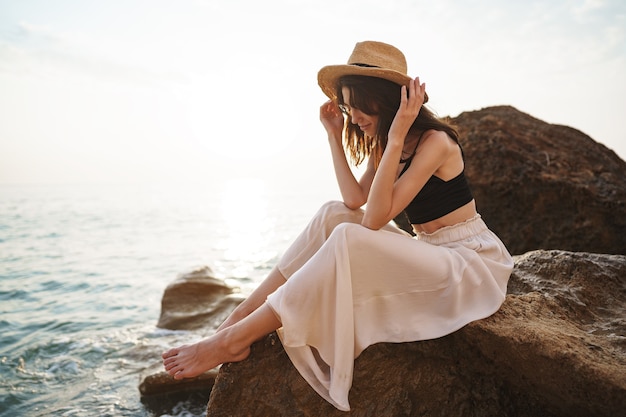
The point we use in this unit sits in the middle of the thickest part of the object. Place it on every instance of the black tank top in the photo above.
(438, 197)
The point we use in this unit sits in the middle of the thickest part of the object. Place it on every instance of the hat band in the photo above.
(365, 65)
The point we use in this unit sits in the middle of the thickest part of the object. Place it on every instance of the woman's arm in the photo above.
(354, 193)
(388, 197)
(387, 201)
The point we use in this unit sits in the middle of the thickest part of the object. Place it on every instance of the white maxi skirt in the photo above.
(349, 287)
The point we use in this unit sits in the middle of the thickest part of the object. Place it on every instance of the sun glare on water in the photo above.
(246, 226)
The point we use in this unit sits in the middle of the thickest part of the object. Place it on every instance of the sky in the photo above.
(198, 90)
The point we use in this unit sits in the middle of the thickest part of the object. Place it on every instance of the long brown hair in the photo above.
(381, 97)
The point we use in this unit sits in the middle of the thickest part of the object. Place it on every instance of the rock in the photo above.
(193, 301)
(161, 394)
(160, 383)
(556, 348)
(544, 186)
(197, 300)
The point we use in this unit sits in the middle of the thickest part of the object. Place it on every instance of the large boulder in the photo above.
(556, 348)
(197, 300)
(544, 186)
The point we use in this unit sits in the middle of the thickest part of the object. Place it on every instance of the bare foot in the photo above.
(188, 361)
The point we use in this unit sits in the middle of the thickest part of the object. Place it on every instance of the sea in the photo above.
(83, 269)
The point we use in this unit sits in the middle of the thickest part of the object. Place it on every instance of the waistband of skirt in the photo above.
(459, 231)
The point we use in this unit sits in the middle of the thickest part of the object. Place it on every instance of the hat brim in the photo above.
(328, 77)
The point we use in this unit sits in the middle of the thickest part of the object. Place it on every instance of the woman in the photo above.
(352, 278)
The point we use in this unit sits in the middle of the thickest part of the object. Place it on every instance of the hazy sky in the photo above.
(155, 90)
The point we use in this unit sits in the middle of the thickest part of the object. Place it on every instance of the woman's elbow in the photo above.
(353, 203)
(372, 224)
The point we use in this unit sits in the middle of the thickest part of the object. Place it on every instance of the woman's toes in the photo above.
(169, 360)
(170, 353)
(173, 369)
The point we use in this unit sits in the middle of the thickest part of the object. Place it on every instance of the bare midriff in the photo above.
(459, 215)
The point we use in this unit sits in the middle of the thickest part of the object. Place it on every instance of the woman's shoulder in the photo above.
(437, 138)
(443, 151)
(433, 146)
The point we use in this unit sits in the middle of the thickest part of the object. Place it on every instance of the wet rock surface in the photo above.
(162, 395)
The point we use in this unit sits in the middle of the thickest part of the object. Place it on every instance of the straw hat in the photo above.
(369, 58)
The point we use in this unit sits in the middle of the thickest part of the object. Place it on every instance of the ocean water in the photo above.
(83, 269)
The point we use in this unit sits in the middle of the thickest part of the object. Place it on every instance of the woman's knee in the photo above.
(335, 212)
(333, 206)
(351, 233)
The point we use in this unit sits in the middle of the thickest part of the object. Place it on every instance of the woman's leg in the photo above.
(271, 283)
(229, 345)
(304, 246)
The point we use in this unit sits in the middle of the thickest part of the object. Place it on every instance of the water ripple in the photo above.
(82, 271)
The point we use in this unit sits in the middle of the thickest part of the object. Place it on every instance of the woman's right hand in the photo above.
(332, 119)
(352, 192)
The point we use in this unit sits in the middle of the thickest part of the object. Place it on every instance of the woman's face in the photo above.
(368, 123)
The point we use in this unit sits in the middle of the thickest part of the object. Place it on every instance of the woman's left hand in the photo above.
(411, 100)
